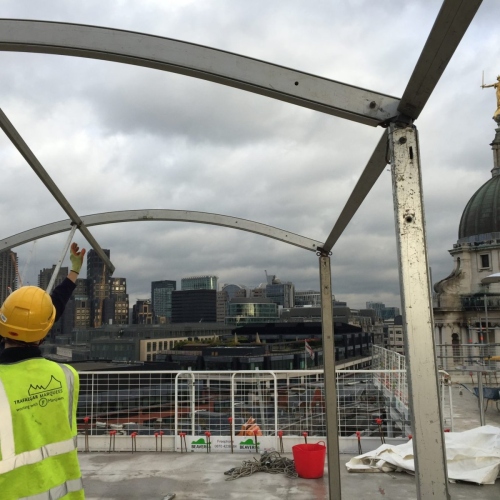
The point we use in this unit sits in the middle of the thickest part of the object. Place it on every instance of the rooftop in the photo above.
(151, 475)
(198, 476)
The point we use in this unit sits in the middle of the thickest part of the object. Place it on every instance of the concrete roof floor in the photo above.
(200, 476)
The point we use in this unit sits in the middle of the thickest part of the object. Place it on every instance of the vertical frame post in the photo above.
(428, 438)
(332, 422)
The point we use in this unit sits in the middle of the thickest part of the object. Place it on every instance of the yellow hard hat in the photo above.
(27, 314)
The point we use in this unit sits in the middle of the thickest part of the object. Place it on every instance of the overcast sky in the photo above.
(118, 137)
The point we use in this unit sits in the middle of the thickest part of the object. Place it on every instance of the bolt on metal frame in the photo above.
(345, 101)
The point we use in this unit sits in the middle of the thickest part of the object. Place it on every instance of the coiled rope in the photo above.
(272, 463)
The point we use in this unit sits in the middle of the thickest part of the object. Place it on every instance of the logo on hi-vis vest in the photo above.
(51, 386)
(41, 394)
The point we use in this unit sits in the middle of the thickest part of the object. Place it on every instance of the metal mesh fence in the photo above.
(468, 356)
(242, 403)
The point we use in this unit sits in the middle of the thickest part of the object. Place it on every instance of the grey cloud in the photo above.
(116, 137)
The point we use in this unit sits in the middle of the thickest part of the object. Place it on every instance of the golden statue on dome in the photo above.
(496, 115)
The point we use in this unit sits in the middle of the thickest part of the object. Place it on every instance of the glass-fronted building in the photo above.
(281, 293)
(233, 291)
(307, 298)
(191, 306)
(251, 310)
(161, 299)
(199, 283)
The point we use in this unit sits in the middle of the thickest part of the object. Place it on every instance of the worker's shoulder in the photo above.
(71, 368)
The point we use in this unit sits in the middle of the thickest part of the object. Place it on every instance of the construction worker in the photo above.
(38, 398)
(250, 428)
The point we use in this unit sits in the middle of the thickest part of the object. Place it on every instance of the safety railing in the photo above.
(290, 401)
(484, 357)
(390, 369)
(239, 408)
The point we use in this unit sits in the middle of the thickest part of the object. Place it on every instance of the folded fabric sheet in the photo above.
(472, 456)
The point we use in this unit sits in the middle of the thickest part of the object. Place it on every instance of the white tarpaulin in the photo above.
(472, 456)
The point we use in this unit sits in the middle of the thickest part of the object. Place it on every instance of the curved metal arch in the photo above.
(162, 215)
(166, 54)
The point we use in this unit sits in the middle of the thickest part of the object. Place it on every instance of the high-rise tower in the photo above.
(8, 275)
(161, 299)
(98, 276)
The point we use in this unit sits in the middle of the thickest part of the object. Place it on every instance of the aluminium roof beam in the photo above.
(450, 26)
(166, 54)
(162, 215)
(28, 155)
(451, 23)
(371, 173)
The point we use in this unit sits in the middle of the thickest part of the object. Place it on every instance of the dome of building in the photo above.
(482, 213)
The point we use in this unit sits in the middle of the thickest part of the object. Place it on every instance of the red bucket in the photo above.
(309, 459)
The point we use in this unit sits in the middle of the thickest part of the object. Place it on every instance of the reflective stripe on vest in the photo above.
(34, 456)
(7, 446)
(58, 491)
(10, 460)
(70, 383)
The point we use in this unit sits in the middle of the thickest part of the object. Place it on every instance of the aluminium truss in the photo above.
(398, 143)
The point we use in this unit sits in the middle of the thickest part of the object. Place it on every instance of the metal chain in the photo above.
(272, 463)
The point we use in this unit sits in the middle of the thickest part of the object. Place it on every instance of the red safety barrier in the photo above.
(112, 435)
(134, 442)
(231, 431)
(280, 435)
(256, 432)
(358, 435)
(183, 441)
(207, 434)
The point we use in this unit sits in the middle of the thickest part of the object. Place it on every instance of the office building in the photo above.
(115, 307)
(99, 289)
(394, 335)
(65, 323)
(310, 298)
(81, 303)
(8, 273)
(190, 306)
(383, 312)
(259, 291)
(221, 307)
(161, 300)
(233, 291)
(199, 283)
(142, 312)
(280, 293)
(45, 275)
(246, 310)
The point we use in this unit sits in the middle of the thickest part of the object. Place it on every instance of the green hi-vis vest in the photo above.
(38, 452)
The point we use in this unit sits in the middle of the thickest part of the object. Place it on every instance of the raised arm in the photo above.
(76, 257)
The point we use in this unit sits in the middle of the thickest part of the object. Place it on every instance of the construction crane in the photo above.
(21, 275)
(14, 262)
(27, 263)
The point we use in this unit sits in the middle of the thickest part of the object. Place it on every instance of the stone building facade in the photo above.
(465, 310)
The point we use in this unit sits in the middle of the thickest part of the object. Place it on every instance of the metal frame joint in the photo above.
(400, 120)
(321, 252)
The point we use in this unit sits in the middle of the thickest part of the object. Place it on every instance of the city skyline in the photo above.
(116, 137)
